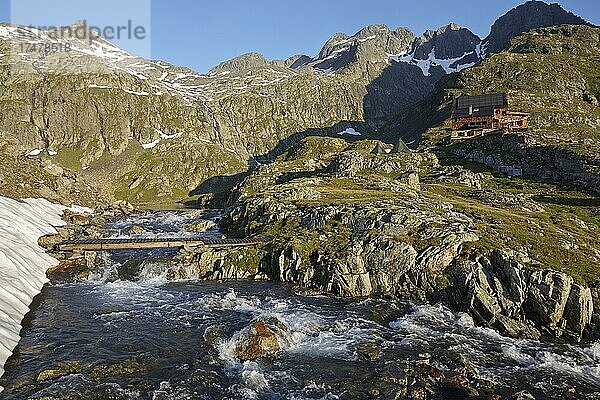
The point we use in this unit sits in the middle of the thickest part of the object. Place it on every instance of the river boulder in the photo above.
(261, 339)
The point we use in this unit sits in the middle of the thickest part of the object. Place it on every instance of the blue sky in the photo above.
(200, 34)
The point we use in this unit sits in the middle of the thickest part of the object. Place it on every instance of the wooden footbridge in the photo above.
(155, 243)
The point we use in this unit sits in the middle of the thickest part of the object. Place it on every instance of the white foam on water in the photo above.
(166, 391)
(308, 334)
(593, 351)
(492, 354)
(311, 390)
(255, 380)
(516, 354)
(164, 223)
(78, 383)
(231, 301)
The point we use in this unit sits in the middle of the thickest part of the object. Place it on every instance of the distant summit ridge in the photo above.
(527, 16)
(449, 41)
(241, 63)
(450, 47)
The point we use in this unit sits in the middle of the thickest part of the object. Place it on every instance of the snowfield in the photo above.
(433, 61)
(23, 263)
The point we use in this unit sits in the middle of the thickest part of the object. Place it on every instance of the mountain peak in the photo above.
(331, 43)
(373, 29)
(449, 41)
(372, 43)
(79, 23)
(453, 26)
(241, 63)
(529, 15)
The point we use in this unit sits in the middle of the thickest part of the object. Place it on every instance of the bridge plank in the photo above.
(151, 243)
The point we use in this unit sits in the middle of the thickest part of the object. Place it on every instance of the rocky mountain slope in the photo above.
(151, 132)
(32, 177)
(551, 73)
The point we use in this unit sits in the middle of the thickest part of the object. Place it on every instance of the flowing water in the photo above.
(152, 339)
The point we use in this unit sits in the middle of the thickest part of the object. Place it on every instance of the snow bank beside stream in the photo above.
(23, 263)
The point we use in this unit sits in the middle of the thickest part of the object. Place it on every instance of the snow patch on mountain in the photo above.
(326, 71)
(34, 152)
(94, 45)
(449, 65)
(141, 93)
(151, 145)
(23, 263)
(350, 131)
(161, 136)
(94, 86)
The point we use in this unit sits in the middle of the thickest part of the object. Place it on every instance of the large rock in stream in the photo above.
(261, 339)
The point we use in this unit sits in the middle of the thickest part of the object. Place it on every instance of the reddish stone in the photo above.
(260, 341)
(261, 328)
(430, 371)
(458, 381)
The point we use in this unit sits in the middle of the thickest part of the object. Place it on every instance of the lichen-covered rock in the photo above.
(201, 226)
(356, 159)
(133, 230)
(410, 179)
(459, 174)
(547, 297)
(66, 368)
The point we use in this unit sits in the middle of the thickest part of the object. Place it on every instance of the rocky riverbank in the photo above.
(361, 221)
(355, 223)
(76, 265)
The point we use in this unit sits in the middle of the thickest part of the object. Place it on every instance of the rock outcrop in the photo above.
(240, 64)
(502, 293)
(370, 45)
(535, 159)
(345, 220)
(448, 42)
(498, 290)
(335, 230)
